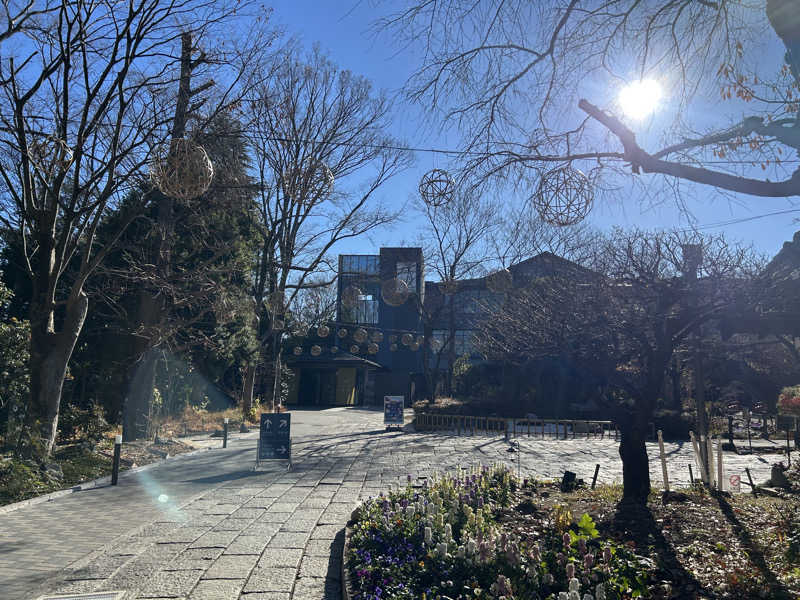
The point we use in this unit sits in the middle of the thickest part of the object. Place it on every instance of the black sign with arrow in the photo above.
(274, 438)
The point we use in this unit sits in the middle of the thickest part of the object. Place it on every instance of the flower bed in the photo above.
(452, 539)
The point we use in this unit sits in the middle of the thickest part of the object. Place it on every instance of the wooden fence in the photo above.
(533, 428)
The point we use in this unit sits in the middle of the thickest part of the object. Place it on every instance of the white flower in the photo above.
(574, 596)
(574, 585)
(428, 536)
(588, 597)
(563, 596)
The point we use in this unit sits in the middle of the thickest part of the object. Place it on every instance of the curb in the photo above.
(92, 484)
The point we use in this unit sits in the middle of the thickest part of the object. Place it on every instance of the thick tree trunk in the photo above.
(50, 355)
(247, 389)
(635, 466)
(136, 415)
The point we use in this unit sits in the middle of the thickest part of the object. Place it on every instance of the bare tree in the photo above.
(83, 103)
(622, 323)
(513, 78)
(321, 154)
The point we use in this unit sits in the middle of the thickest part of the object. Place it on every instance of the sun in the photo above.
(640, 98)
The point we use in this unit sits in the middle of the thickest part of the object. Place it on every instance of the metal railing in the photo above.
(533, 428)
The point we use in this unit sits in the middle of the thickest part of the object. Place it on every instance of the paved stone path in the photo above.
(228, 532)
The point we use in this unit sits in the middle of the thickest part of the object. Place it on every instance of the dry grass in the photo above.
(194, 420)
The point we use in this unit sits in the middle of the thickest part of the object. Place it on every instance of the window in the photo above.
(463, 341)
(364, 264)
(407, 271)
(477, 301)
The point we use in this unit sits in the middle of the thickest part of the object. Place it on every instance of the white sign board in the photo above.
(736, 483)
(393, 410)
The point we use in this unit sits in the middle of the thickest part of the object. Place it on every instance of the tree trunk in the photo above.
(50, 354)
(247, 390)
(633, 452)
(136, 414)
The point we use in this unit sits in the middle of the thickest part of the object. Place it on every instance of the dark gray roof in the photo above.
(331, 361)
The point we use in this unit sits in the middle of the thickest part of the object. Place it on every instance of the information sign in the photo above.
(736, 483)
(393, 410)
(274, 439)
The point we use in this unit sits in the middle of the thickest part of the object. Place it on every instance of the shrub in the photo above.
(789, 400)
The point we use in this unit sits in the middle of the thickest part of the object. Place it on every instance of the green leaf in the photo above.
(587, 527)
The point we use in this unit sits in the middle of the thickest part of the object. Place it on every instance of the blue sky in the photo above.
(343, 30)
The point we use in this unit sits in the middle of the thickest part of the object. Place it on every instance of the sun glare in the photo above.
(640, 98)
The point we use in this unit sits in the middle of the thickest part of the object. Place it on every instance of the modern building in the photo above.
(374, 348)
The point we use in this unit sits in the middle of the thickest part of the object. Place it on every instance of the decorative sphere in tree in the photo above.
(342, 333)
(354, 349)
(298, 350)
(414, 346)
(564, 197)
(394, 291)
(181, 169)
(437, 188)
(323, 331)
(360, 335)
(373, 348)
(316, 350)
(350, 296)
(500, 281)
(334, 349)
(377, 337)
(407, 339)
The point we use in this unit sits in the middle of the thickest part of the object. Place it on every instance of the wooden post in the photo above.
(663, 461)
(691, 475)
(720, 471)
(115, 464)
(710, 464)
(788, 449)
(596, 471)
(750, 479)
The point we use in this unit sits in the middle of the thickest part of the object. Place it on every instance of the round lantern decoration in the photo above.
(316, 350)
(414, 346)
(323, 331)
(437, 188)
(360, 335)
(354, 349)
(181, 169)
(373, 348)
(499, 281)
(301, 330)
(393, 347)
(407, 339)
(342, 333)
(350, 296)
(334, 349)
(377, 337)
(394, 291)
(436, 345)
(564, 197)
(420, 340)
(298, 350)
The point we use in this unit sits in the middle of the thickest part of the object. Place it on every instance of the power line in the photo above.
(740, 220)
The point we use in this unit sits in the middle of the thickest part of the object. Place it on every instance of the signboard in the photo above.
(393, 410)
(736, 483)
(274, 439)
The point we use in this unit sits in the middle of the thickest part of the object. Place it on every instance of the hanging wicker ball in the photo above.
(316, 350)
(301, 330)
(323, 331)
(350, 296)
(373, 348)
(436, 345)
(499, 281)
(342, 333)
(360, 335)
(414, 347)
(181, 169)
(394, 291)
(334, 349)
(354, 349)
(420, 339)
(407, 339)
(437, 187)
(298, 350)
(564, 197)
(377, 336)
(393, 348)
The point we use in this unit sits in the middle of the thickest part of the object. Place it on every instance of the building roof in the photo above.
(331, 361)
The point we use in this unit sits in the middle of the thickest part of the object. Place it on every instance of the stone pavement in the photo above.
(272, 534)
